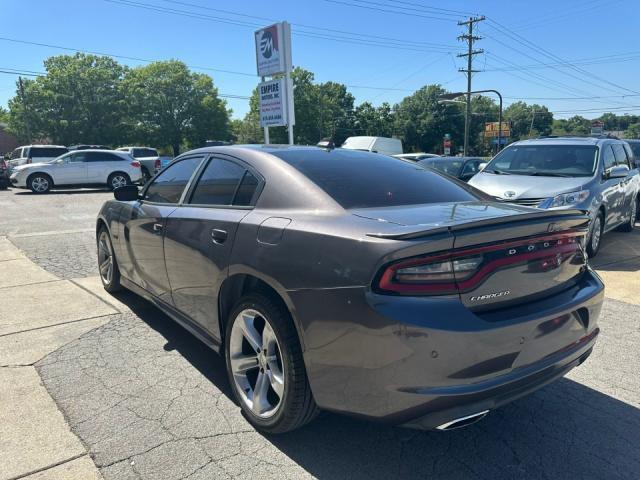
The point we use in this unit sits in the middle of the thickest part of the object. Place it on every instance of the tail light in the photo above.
(463, 270)
(29, 160)
(135, 164)
(157, 164)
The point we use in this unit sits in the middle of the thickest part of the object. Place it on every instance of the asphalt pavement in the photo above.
(148, 401)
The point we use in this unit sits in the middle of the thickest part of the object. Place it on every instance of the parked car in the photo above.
(635, 149)
(35, 154)
(355, 282)
(4, 174)
(591, 173)
(148, 158)
(462, 168)
(384, 145)
(417, 156)
(79, 168)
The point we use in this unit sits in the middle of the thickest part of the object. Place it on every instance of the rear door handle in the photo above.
(218, 236)
(157, 228)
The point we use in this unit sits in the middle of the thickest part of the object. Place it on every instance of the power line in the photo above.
(310, 27)
(387, 10)
(317, 35)
(527, 43)
(31, 73)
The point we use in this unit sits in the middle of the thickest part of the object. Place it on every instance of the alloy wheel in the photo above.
(40, 184)
(118, 181)
(256, 363)
(105, 258)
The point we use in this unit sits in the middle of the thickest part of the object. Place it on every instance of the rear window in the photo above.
(52, 152)
(144, 152)
(546, 160)
(361, 180)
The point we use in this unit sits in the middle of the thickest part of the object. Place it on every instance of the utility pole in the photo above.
(469, 38)
(25, 108)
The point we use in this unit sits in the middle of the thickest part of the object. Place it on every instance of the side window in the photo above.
(621, 155)
(470, 167)
(608, 160)
(169, 185)
(246, 190)
(218, 183)
(77, 158)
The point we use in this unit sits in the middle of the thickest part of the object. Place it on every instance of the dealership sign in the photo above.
(272, 103)
(492, 129)
(273, 49)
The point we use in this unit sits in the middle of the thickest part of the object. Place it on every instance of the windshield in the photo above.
(450, 167)
(546, 160)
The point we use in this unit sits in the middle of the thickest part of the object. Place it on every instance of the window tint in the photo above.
(17, 153)
(144, 152)
(621, 155)
(169, 185)
(635, 147)
(360, 179)
(218, 183)
(470, 167)
(246, 190)
(104, 157)
(608, 160)
(52, 152)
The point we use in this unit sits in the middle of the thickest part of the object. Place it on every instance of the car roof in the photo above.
(41, 146)
(567, 140)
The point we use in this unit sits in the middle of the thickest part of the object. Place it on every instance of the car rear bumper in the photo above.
(424, 361)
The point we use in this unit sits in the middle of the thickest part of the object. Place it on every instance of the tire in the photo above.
(630, 224)
(107, 263)
(118, 179)
(146, 176)
(267, 321)
(595, 237)
(39, 183)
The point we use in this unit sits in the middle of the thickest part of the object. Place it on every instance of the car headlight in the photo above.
(568, 199)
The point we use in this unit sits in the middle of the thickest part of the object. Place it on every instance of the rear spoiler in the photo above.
(419, 231)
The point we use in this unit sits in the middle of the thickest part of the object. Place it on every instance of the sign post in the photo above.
(273, 59)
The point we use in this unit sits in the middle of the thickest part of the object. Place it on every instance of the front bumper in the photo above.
(424, 361)
(17, 180)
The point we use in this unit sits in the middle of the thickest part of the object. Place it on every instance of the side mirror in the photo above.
(482, 166)
(619, 171)
(127, 193)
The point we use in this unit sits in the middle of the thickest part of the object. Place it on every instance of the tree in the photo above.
(375, 121)
(575, 125)
(633, 131)
(169, 105)
(78, 100)
(528, 120)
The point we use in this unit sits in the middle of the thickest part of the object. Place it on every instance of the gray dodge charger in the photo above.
(355, 282)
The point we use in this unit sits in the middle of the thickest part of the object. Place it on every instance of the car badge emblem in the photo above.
(509, 194)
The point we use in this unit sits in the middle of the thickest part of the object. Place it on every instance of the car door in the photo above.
(99, 166)
(70, 169)
(199, 236)
(627, 187)
(143, 229)
(612, 191)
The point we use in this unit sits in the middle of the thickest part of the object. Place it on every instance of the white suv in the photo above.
(81, 167)
(35, 154)
(148, 158)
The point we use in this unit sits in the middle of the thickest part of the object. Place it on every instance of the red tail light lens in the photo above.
(157, 164)
(463, 270)
(135, 164)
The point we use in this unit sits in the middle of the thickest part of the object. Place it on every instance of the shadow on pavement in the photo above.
(63, 191)
(566, 430)
(620, 251)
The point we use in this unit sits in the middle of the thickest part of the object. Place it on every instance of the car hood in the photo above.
(525, 186)
(30, 165)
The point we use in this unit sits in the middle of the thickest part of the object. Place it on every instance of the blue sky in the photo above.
(572, 50)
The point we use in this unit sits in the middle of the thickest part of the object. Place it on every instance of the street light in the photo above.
(451, 96)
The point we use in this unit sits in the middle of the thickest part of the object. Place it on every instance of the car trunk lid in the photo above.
(501, 255)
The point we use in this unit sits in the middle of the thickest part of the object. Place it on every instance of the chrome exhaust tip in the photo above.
(463, 421)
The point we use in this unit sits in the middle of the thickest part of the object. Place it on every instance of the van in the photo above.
(35, 154)
(384, 145)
